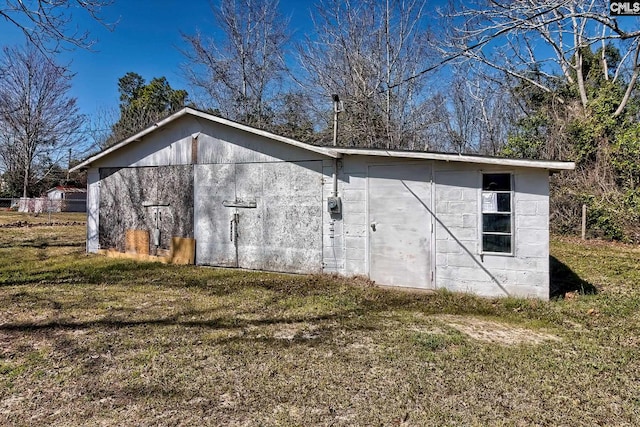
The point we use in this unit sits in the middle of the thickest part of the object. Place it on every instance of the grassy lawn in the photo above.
(13, 218)
(89, 340)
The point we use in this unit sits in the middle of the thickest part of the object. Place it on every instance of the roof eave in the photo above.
(497, 161)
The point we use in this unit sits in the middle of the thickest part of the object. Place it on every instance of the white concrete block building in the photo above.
(252, 199)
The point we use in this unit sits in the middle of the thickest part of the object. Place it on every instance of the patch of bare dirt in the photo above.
(495, 332)
(292, 331)
(21, 224)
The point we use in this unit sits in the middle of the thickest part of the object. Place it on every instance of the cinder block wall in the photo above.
(345, 236)
(456, 251)
(459, 263)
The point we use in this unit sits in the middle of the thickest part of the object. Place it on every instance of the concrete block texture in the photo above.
(459, 265)
(531, 222)
(250, 200)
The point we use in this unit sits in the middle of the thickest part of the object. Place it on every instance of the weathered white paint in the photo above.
(93, 210)
(349, 254)
(217, 144)
(283, 232)
(188, 118)
(220, 144)
(425, 204)
(168, 146)
(329, 152)
(400, 224)
(55, 194)
(459, 265)
(333, 242)
(213, 185)
(451, 203)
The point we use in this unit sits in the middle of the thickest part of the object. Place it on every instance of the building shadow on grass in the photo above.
(40, 244)
(563, 280)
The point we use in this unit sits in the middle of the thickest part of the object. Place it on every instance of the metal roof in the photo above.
(465, 158)
(66, 189)
(333, 152)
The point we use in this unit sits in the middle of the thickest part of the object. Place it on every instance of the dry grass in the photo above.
(87, 340)
(19, 218)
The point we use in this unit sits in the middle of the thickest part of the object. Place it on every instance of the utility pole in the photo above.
(68, 165)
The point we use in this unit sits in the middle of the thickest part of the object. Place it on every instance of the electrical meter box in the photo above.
(334, 205)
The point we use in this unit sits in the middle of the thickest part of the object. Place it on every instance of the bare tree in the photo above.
(240, 69)
(37, 118)
(471, 114)
(544, 42)
(460, 119)
(99, 129)
(47, 24)
(496, 115)
(365, 51)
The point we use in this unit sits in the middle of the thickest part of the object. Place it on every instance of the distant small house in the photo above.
(67, 193)
(69, 199)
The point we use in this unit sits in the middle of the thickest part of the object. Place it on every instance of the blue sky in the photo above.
(145, 40)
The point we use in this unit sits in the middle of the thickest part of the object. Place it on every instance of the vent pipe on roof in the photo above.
(338, 107)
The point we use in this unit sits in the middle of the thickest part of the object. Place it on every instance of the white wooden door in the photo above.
(214, 222)
(263, 216)
(399, 199)
(284, 231)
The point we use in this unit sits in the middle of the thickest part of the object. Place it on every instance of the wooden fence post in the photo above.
(584, 222)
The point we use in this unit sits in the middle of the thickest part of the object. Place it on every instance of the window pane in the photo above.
(489, 201)
(496, 223)
(496, 181)
(496, 243)
(504, 202)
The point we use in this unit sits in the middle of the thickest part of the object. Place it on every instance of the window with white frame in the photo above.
(497, 213)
